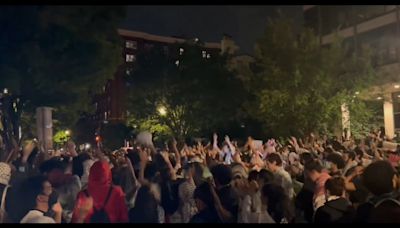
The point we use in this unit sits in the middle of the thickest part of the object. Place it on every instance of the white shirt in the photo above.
(36, 216)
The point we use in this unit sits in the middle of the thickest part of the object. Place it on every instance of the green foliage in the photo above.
(199, 94)
(51, 55)
(60, 138)
(58, 56)
(161, 132)
(364, 116)
(297, 86)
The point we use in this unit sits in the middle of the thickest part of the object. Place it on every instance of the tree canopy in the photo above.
(297, 85)
(196, 90)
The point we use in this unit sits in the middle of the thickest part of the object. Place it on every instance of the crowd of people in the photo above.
(312, 180)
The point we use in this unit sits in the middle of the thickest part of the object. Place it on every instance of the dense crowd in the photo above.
(312, 180)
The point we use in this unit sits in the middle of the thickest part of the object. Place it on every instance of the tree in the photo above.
(56, 56)
(297, 86)
(194, 91)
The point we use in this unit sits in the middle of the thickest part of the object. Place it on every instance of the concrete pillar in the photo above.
(388, 117)
(44, 123)
(345, 121)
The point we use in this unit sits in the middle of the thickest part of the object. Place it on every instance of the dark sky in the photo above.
(244, 23)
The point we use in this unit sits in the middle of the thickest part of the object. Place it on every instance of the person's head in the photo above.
(100, 176)
(145, 210)
(274, 161)
(336, 161)
(151, 172)
(335, 187)
(359, 153)
(77, 164)
(379, 178)
(195, 170)
(305, 157)
(36, 192)
(313, 169)
(274, 196)
(222, 175)
(203, 197)
(5, 173)
(349, 156)
(53, 164)
(253, 175)
(265, 176)
(239, 172)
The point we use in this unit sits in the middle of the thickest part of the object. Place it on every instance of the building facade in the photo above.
(376, 27)
(111, 104)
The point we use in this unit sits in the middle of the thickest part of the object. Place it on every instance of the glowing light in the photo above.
(396, 86)
(356, 93)
(379, 98)
(162, 110)
(67, 132)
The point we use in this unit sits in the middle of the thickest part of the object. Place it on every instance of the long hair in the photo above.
(145, 210)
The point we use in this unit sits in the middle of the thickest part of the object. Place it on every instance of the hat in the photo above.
(239, 170)
(5, 173)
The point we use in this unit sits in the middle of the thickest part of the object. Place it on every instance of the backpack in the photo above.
(3, 213)
(100, 215)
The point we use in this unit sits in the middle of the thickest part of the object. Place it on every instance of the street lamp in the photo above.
(162, 111)
(67, 132)
(5, 91)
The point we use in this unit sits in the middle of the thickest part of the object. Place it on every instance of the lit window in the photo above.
(105, 115)
(181, 50)
(104, 88)
(131, 44)
(208, 56)
(130, 58)
(177, 62)
(204, 54)
(128, 72)
(196, 40)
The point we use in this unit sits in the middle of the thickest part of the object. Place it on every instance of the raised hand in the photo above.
(215, 137)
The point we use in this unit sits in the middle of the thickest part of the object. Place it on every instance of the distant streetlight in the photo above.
(396, 86)
(379, 98)
(67, 132)
(5, 90)
(357, 92)
(162, 111)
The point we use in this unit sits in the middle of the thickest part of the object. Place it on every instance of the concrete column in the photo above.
(345, 121)
(388, 118)
(44, 122)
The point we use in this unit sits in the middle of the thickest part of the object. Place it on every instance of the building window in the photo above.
(105, 115)
(131, 44)
(204, 53)
(208, 56)
(128, 72)
(181, 50)
(130, 58)
(177, 62)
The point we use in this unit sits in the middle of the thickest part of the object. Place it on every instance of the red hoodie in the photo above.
(100, 179)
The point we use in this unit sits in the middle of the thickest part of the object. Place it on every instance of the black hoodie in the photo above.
(335, 211)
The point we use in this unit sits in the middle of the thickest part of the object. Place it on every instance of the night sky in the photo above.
(244, 23)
